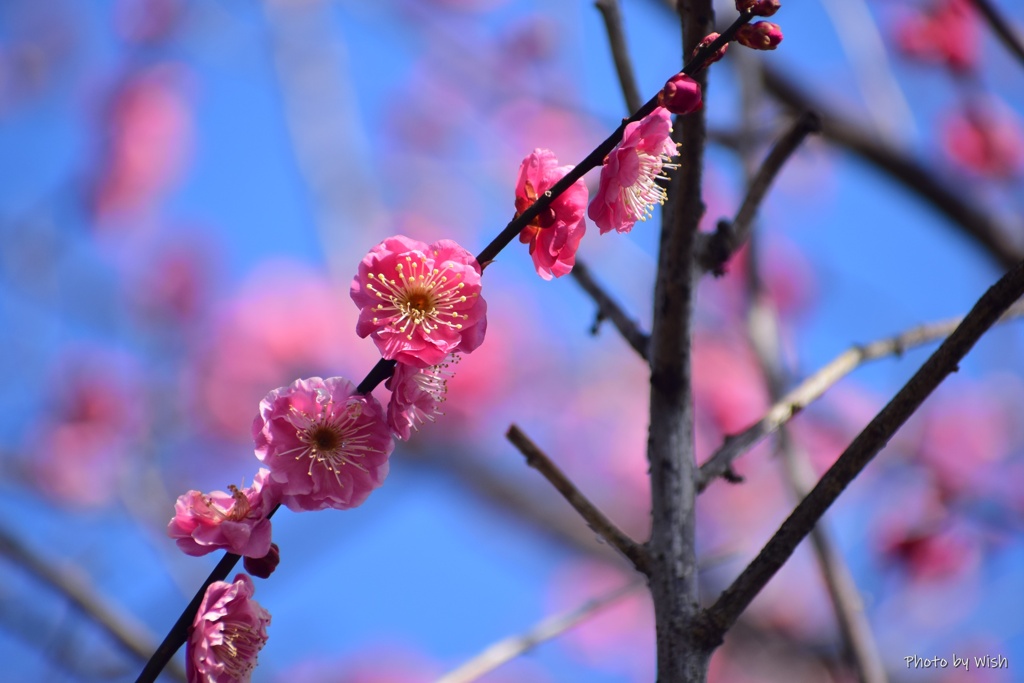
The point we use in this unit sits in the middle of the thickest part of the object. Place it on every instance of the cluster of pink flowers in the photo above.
(326, 444)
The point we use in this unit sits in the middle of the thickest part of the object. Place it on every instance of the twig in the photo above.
(716, 248)
(763, 327)
(994, 235)
(612, 16)
(536, 459)
(716, 620)
(865, 51)
(849, 606)
(814, 386)
(1002, 28)
(608, 308)
(508, 649)
(565, 530)
(130, 634)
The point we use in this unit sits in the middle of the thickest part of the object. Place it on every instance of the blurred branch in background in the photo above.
(818, 383)
(119, 625)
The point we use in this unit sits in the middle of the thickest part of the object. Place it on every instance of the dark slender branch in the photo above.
(509, 648)
(380, 372)
(596, 519)
(716, 248)
(128, 633)
(612, 16)
(718, 618)
(994, 235)
(817, 384)
(1002, 28)
(608, 308)
(178, 634)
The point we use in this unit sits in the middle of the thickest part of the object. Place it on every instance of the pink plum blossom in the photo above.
(420, 302)
(416, 394)
(555, 234)
(235, 521)
(985, 138)
(326, 446)
(948, 33)
(227, 634)
(629, 187)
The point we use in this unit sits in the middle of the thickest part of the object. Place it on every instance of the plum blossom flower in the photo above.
(416, 394)
(227, 634)
(326, 446)
(985, 138)
(555, 234)
(235, 521)
(420, 302)
(629, 187)
(948, 33)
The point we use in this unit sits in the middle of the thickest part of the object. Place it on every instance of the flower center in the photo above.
(641, 196)
(238, 650)
(418, 298)
(332, 438)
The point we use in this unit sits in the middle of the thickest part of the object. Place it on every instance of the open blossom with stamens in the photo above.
(629, 189)
(227, 634)
(555, 234)
(420, 302)
(235, 521)
(416, 395)
(326, 446)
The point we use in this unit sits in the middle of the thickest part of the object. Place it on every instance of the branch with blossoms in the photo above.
(326, 442)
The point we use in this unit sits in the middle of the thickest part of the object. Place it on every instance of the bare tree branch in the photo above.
(993, 234)
(612, 16)
(713, 250)
(508, 649)
(817, 384)
(537, 459)
(609, 309)
(1002, 28)
(120, 626)
(718, 618)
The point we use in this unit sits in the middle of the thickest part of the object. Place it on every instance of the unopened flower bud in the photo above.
(763, 35)
(759, 8)
(681, 94)
(710, 38)
(262, 567)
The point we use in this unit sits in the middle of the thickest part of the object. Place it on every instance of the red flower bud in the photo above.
(681, 94)
(263, 567)
(759, 8)
(711, 37)
(764, 35)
